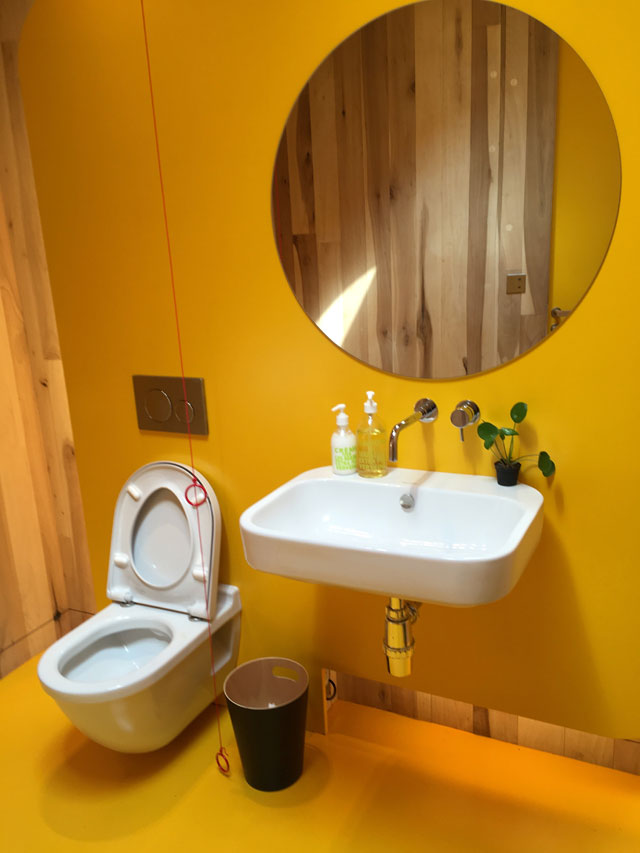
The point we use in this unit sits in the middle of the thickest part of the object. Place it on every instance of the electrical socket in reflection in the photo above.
(516, 283)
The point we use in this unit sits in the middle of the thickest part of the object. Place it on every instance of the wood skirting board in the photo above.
(38, 639)
(616, 753)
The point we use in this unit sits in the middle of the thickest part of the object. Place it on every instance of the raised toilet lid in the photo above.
(165, 543)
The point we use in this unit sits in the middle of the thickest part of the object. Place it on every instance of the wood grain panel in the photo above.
(300, 165)
(329, 278)
(38, 639)
(429, 168)
(423, 149)
(282, 211)
(482, 213)
(376, 124)
(452, 713)
(626, 756)
(619, 754)
(503, 726)
(495, 124)
(363, 691)
(514, 157)
(307, 258)
(24, 563)
(546, 737)
(407, 346)
(389, 697)
(349, 117)
(27, 646)
(593, 749)
(44, 566)
(542, 80)
(322, 105)
(451, 353)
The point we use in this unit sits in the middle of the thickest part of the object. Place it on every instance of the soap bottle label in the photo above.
(371, 458)
(344, 459)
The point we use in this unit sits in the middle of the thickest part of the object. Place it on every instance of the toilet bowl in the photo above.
(135, 674)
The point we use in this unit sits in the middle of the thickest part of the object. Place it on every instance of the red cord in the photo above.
(221, 756)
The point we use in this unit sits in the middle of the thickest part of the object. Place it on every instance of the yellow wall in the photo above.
(563, 646)
(586, 181)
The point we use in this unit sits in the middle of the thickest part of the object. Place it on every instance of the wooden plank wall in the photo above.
(45, 578)
(415, 171)
(617, 753)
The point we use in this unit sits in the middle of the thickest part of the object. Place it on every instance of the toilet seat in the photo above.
(165, 544)
(68, 668)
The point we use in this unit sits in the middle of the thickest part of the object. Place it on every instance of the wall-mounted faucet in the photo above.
(465, 414)
(425, 411)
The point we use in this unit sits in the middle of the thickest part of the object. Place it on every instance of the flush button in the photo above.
(157, 405)
(160, 404)
(184, 412)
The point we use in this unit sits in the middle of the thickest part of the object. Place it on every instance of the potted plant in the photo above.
(507, 465)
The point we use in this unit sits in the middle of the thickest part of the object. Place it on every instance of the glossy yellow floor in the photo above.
(378, 782)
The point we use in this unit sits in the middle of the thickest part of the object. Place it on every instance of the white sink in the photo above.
(466, 540)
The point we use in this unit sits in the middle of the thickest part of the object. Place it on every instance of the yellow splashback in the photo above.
(563, 646)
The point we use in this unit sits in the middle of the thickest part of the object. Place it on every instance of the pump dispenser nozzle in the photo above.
(342, 419)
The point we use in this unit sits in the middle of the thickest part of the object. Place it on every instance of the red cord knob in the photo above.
(222, 760)
(197, 501)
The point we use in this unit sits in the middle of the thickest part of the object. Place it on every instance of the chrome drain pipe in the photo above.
(398, 638)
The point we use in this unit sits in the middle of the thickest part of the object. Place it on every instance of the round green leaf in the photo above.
(488, 431)
(519, 412)
(546, 463)
(488, 443)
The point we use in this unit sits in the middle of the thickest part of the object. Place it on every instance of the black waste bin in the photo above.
(267, 700)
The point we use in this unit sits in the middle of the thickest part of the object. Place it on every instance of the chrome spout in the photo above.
(395, 432)
(425, 411)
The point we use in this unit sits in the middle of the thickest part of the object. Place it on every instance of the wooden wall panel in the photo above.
(495, 119)
(594, 749)
(429, 166)
(405, 302)
(542, 78)
(44, 563)
(514, 155)
(483, 189)
(423, 148)
(378, 180)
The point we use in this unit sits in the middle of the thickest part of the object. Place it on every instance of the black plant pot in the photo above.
(507, 474)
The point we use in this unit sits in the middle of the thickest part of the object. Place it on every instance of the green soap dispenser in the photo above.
(371, 442)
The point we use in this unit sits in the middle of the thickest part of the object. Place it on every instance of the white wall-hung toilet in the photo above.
(135, 674)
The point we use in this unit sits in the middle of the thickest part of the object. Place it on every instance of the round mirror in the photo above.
(446, 188)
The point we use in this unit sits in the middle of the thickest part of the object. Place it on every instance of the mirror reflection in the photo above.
(447, 177)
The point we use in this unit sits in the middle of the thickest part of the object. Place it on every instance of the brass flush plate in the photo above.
(516, 283)
(160, 404)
